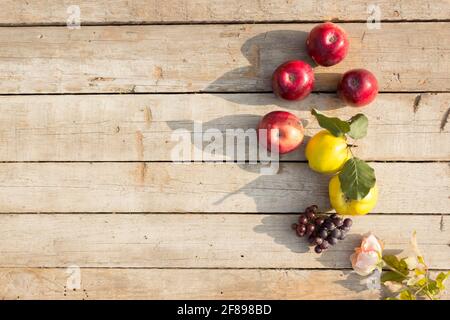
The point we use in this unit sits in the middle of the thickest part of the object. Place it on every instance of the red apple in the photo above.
(293, 80)
(327, 44)
(283, 129)
(358, 87)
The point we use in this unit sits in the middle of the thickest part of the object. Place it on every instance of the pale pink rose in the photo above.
(368, 256)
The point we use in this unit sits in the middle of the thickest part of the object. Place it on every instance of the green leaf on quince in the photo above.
(335, 126)
(392, 276)
(358, 126)
(356, 178)
(396, 264)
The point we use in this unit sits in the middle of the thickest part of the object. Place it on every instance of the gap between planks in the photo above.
(162, 93)
(214, 162)
(106, 213)
(196, 268)
(207, 23)
(234, 11)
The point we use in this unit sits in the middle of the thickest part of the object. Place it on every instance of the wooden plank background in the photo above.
(234, 58)
(195, 11)
(199, 240)
(207, 187)
(88, 117)
(143, 127)
(28, 283)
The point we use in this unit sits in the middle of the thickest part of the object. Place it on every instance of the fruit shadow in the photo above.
(243, 122)
(279, 228)
(356, 283)
(265, 52)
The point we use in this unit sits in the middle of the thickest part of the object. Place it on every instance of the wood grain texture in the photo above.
(28, 283)
(206, 187)
(237, 58)
(144, 127)
(143, 248)
(201, 241)
(171, 11)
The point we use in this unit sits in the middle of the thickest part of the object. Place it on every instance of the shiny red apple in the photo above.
(358, 87)
(293, 80)
(327, 44)
(283, 129)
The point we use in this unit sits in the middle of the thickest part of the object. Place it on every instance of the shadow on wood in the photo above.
(279, 227)
(240, 128)
(260, 52)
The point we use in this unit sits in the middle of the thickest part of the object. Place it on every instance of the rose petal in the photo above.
(371, 243)
(365, 262)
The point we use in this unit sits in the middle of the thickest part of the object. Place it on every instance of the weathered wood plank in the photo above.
(236, 58)
(28, 283)
(183, 284)
(201, 241)
(172, 11)
(206, 187)
(143, 127)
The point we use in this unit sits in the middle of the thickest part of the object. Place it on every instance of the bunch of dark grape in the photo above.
(322, 230)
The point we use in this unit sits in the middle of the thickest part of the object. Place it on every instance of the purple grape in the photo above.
(325, 245)
(318, 240)
(332, 241)
(302, 219)
(336, 233)
(310, 228)
(338, 222)
(301, 230)
(329, 224)
(319, 221)
(310, 215)
(323, 233)
(348, 223)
